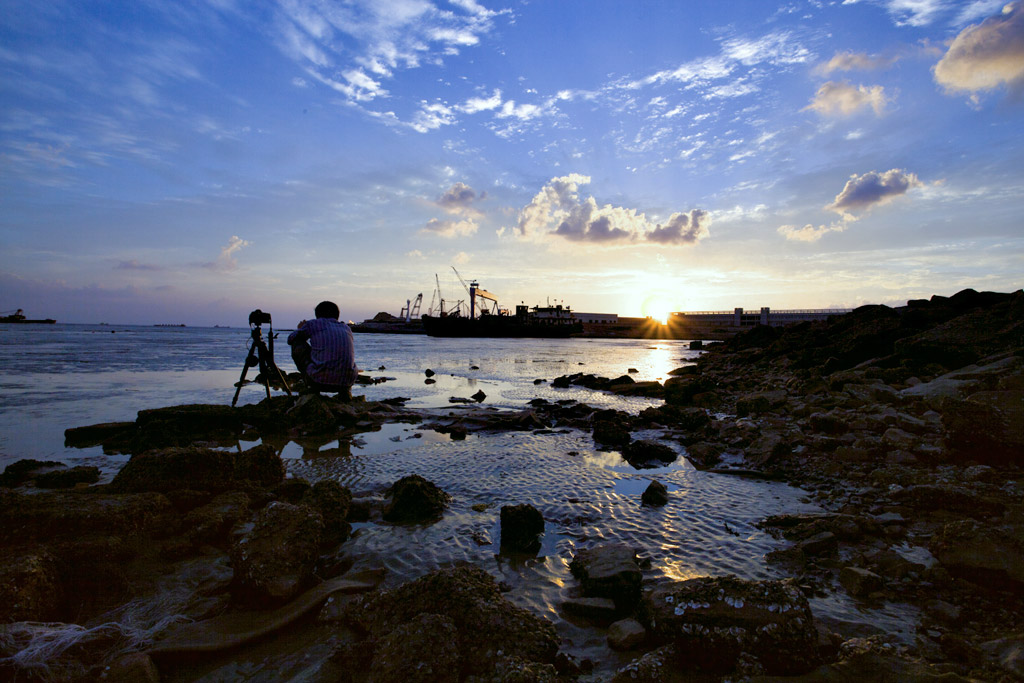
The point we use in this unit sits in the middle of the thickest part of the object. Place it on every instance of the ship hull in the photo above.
(497, 326)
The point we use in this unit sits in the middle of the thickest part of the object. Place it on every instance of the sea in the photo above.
(60, 376)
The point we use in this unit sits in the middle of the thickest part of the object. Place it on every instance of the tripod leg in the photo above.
(245, 369)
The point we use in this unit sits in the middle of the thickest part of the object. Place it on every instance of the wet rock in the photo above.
(98, 434)
(69, 478)
(626, 634)
(30, 587)
(656, 666)
(860, 583)
(824, 543)
(609, 433)
(600, 610)
(19, 472)
(211, 524)
(291, 490)
(979, 553)
(647, 453)
(680, 390)
(428, 372)
(828, 423)
(976, 431)
(198, 469)
(711, 621)
(332, 501)
(415, 500)
(704, 454)
(521, 528)
(488, 628)
(424, 650)
(136, 667)
(656, 494)
(932, 497)
(686, 418)
(1008, 654)
(864, 660)
(479, 396)
(609, 571)
(312, 414)
(274, 562)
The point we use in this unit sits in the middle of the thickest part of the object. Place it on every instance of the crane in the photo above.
(410, 310)
(474, 291)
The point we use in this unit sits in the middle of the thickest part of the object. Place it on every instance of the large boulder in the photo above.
(521, 528)
(648, 453)
(980, 553)
(275, 561)
(712, 621)
(611, 433)
(30, 587)
(424, 650)
(199, 469)
(332, 501)
(415, 500)
(609, 571)
(211, 524)
(488, 628)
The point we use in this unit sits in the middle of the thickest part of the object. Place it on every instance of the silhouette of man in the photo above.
(324, 350)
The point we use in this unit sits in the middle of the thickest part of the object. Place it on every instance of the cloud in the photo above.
(872, 189)
(842, 99)
(226, 261)
(134, 264)
(558, 210)
(682, 228)
(855, 61)
(809, 233)
(910, 12)
(986, 56)
(451, 228)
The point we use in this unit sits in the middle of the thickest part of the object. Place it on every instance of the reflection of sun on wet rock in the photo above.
(274, 562)
(521, 528)
(415, 500)
(490, 632)
(712, 621)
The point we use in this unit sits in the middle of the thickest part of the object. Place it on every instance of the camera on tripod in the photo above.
(261, 355)
(258, 317)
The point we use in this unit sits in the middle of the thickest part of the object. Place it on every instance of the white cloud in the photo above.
(226, 261)
(451, 228)
(558, 210)
(987, 55)
(855, 61)
(809, 233)
(842, 99)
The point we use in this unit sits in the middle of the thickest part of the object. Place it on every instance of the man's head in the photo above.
(327, 309)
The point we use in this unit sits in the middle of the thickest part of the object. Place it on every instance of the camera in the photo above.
(258, 317)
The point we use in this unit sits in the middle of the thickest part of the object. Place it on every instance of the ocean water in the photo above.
(61, 376)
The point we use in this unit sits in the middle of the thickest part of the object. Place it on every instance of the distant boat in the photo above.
(19, 317)
(169, 325)
(549, 322)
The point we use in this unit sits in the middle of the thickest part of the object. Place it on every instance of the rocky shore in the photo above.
(904, 425)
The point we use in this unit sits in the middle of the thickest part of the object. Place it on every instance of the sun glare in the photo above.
(658, 308)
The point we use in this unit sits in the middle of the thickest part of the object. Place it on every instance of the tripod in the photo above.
(260, 355)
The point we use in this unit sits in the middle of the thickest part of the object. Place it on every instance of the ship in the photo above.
(549, 322)
(19, 317)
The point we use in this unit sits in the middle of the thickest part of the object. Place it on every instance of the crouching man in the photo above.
(324, 351)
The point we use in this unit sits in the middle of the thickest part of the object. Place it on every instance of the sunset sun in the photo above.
(658, 308)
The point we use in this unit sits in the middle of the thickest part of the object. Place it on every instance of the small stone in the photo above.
(521, 528)
(428, 372)
(626, 634)
(860, 582)
(655, 494)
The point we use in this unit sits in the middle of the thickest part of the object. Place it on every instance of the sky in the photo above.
(188, 161)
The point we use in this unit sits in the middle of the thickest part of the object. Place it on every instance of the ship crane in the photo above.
(475, 292)
(411, 310)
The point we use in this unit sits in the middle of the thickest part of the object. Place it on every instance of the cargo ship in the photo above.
(19, 317)
(491, 320)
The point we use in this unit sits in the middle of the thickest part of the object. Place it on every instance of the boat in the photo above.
(549, 322)
(19, 317)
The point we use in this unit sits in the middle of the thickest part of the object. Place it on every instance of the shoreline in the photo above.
(898, 422)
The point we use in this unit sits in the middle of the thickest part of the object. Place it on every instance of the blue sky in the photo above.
(189, 161)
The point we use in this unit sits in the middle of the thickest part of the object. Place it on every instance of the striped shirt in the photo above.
(332, 357)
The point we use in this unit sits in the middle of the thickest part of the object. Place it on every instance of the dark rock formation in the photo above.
(274, 562)
(68, 478)
(712, 621)
(609, 571)
(332, 501)
(647, 453)
(656, 494)
(415, 500)
(521, 528)
(19, 472)
(199, 469)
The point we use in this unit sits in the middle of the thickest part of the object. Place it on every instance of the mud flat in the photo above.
(559, 541)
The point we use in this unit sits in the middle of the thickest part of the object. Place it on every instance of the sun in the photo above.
(657, 308)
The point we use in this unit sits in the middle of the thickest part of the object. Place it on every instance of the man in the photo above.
(324, 351)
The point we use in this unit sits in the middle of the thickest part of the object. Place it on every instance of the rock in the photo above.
(609, 571)
(479, 396)
(97, 434)
(862, 660)
(656, 494)
(415, 500)
(654, 667)
(711, 621)
(860, 582)
(899, 439)
(601, 610)
(21, 471)
(828, 423)
(66, 479)
(979, 553)
(626, 634)
(212, 523)
(198, 469)
(647, 453)
(521, 528)
(1008, 653)
(488, 627)
(332, 501)
(820, 544)
(681, 389)
(136, 667)
(424, 650)
(948, 498)
(608, 433)
(30, 587)
(274, 562)
(428, 372)
(291, 490)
